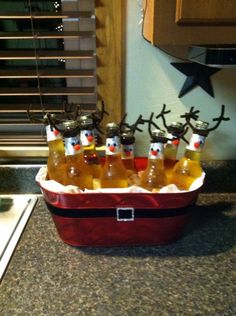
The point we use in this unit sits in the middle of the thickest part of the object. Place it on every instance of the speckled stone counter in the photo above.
(19, 179)
(194, 276)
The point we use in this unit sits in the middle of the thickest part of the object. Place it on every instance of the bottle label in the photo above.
(72, 145)
(113, 145)
(173, 141)
(127, 151)
(52, 133)
(87, 137)
(156, 151)
(196, 143)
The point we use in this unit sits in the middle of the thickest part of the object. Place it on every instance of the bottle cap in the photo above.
(158, 136)
(158, 133)
(70, 124)
(201, 128)
(49, 118)
(201, 125)
(85, 121)
(176, 127)
(127, 138)
(70, 128)
(112, 129)
(112, 125)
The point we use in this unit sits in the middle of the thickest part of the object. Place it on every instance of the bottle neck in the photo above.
(52, 134)
(113, 146)
(171, 147)
(56, 146)
(192, 155)
(127, 151)
(156, 151)
(111, 159)
(170, 152)
(87, 138)
(75, 158)
(195, 147)
(73, 146)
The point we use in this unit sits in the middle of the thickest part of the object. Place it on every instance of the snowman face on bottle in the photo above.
(127, 151)
(72, 145)
(156, 151)
(52, 133)
(112, 145)
(87, 137)
(196, 143)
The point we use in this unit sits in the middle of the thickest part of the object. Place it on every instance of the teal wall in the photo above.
(150, 81)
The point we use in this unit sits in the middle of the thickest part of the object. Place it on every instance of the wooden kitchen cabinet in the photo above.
(175, 25)
(206, 12)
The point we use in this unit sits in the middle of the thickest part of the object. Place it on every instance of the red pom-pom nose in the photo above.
(175, 142)
(196, 145)
(77, 147)
(90, 138)
(154, 152)
(112, 149)
(56, 132)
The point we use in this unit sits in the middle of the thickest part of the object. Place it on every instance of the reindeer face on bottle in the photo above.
(87, 137)
(73, 145)
(127, 151)
(156, 151)
(52, 133)
(196, 143)
(112, 145)
(173, 141)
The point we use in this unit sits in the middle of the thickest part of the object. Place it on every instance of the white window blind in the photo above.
(47, 59)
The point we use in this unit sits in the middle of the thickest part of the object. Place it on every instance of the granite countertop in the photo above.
(196, 275)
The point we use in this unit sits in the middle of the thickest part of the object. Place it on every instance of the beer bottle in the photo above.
(77, 171)
(127, 156)
(87, 137)
(153, 178)
(113, 174)
(56, 162)
(174, 132)
(127, 142)
(127, 151)
(188, 168)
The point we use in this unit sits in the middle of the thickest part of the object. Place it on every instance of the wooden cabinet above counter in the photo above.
(206, 12)
(176, 25)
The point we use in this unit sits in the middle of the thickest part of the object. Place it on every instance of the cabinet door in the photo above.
(208, 12)
(161, 29)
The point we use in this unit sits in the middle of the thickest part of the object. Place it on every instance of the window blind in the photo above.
(47, 59)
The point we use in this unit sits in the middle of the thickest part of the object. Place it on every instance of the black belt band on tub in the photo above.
(120, 213)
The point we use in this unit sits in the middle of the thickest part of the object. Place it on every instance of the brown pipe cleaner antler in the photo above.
(167, 127)
(219, 119)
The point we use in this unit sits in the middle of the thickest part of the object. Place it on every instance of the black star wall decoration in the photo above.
(197, 75)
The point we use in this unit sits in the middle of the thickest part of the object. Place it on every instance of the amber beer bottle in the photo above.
(77, 171)
(113, 174)
(87, 137)
(127, 151)
(127, 156)
(153, 177)
(188, 168)
(56, 162)
(174, 132)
